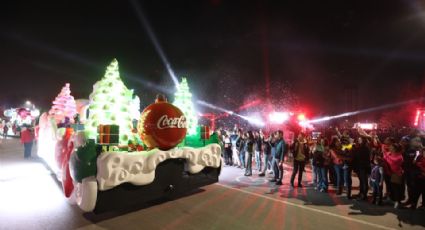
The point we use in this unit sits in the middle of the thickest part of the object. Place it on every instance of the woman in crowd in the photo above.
(301, 154)
(394, 159)
(267, 152)
(227, 150)
(258, 140)
(249, 148)
(385, 148)
(338, 162)
(361, 164)
(241, 147)
(321, 161)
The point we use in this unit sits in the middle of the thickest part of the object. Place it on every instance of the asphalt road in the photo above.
(31, 198)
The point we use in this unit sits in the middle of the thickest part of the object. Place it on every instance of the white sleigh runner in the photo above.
(115, 168)
(137, 168)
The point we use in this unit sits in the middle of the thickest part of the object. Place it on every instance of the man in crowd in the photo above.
(278, 157)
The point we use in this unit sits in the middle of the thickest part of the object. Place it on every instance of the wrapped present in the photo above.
(108, 134)
(205, 132)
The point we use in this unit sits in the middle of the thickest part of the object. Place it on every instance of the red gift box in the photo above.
(205, 132)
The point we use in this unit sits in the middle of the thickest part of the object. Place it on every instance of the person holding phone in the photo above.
(419, 185)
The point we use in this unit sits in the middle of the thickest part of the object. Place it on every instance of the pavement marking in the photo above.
(250, 181)
(309, 208)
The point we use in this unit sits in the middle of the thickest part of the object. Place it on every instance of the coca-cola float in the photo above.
(115, 157)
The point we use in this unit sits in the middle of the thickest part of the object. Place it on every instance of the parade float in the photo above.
(106, 159)
(18, 117)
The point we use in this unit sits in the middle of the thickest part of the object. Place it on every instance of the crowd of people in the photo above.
(8, 129)
(394, 163)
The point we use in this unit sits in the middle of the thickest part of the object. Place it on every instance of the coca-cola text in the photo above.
(173, 122)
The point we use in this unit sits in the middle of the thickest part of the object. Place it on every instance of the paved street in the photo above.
(31, 198)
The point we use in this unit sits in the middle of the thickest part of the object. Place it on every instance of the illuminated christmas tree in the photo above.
(111, 104)
(63, 105)
(183, 100)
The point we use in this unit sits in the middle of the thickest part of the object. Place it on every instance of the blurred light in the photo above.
(250, 119)
(278, 117)
(35, 113)
(253, 120)
(417, 117)
(28, 102)
(306, 124)
(366, 126)
(209, 105)
(301, 117)
(249, 105)
(47, 142)
(368, 110)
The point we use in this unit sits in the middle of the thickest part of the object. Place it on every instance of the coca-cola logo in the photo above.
(173, 122)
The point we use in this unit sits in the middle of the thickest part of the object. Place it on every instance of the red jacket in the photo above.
(395, 163)
(26, 136)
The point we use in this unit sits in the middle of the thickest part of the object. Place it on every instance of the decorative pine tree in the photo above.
(63, 105)
(110, 104)
(183, 100)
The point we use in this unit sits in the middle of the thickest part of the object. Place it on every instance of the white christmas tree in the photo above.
(135, 108)
(183, 100)
(111, 104)
(63, 105)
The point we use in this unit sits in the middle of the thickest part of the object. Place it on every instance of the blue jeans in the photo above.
(339, 174)
(377, 191)
(267, 163)
(347, 177)
(278, 171)
(314, 172)
(323, 178)
(248, 170)
(258, 160)
(242, 158)
(27, 149)
(316, 175)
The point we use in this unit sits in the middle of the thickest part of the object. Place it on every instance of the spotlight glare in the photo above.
(278, 117)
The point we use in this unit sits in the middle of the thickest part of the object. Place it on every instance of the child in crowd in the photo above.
(377, 179)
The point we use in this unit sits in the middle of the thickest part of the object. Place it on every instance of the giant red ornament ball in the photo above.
(162, 125)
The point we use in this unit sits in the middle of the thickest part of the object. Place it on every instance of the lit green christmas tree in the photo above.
(183, 100)
(111, 104)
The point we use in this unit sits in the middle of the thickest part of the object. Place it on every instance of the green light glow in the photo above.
(112, 103)
(183, 100)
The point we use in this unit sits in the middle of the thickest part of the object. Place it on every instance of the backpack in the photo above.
(375, 174)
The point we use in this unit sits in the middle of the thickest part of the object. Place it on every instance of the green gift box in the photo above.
(108, 134)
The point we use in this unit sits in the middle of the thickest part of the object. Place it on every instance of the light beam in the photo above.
(387, 106)
(151, 34)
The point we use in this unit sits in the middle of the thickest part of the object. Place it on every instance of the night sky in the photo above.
(315, 51)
